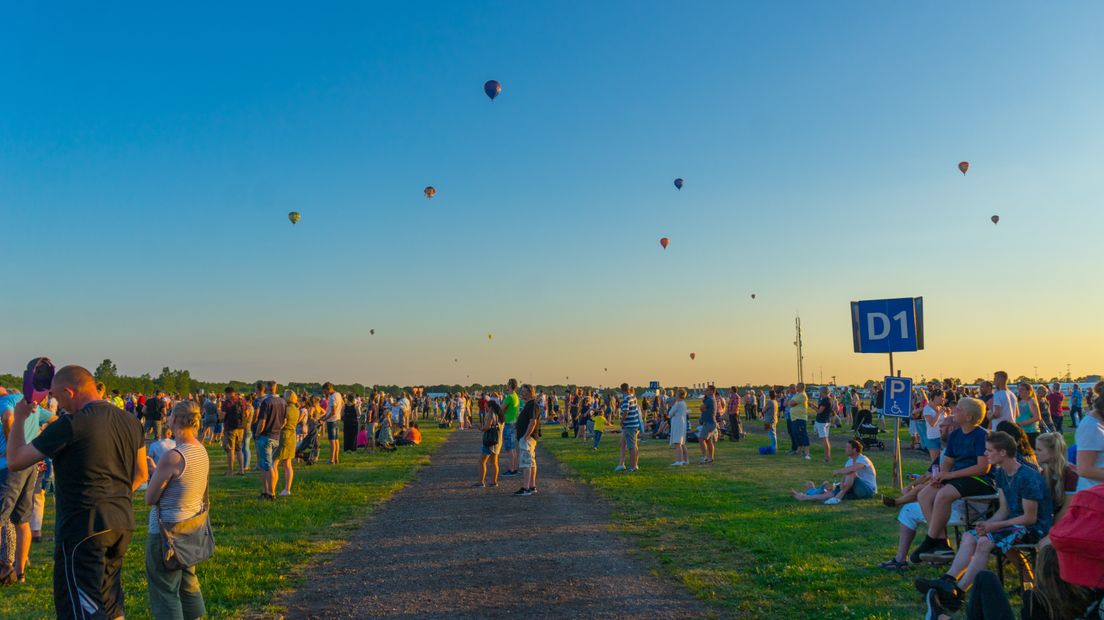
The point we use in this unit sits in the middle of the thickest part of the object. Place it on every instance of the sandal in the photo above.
(894, 565)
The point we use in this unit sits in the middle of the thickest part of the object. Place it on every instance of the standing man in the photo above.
(155, 411)
(270, 422)
(99, 458)
(1054, 399)
(334, 404)
(631, 427)
(233, 432)
(528, 429)
(510, 407)
(17, 488)
(799, 415)
(734, 427)
(707, 437)
(1005, 404)
(823, 422)
(1075, 405)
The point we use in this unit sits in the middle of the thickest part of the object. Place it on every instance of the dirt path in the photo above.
(441, 549)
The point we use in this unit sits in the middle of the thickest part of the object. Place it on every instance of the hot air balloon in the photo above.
(490, 336)
(678, 183)
(963, 166)
(492, 88)
(753, 295)
(372, 332)
(995, 219)
(606, 369)
(693, 356)
(430, 191)
(664, 241)
(456, 359)
(294, 217)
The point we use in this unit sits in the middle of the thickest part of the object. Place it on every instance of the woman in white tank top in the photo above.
(176, 490)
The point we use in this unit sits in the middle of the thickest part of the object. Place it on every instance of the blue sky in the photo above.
(149, 156)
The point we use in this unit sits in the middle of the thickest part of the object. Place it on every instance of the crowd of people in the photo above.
(96, 449)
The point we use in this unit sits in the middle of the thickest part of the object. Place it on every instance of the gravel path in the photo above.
(441, 549)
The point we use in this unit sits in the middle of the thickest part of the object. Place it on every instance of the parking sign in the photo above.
(897, 402)
(888, 325)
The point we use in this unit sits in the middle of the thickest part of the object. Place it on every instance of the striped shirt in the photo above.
(183, 496)
(630, 413)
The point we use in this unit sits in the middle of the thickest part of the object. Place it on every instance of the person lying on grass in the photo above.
(1025, 515)
(860, 479)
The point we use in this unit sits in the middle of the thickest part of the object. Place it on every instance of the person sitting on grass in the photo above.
(411, 437)
(860, 479)
(963, 472)
(1024, 515)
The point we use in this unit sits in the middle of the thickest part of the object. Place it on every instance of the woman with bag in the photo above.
(179, 530)
(492, 444)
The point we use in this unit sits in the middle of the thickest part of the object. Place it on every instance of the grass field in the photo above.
(261, 547)
(731, 533)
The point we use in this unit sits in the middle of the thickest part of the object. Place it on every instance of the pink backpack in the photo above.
(1079, 539)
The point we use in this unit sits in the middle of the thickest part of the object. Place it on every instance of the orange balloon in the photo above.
(430, 191)
(664, 241)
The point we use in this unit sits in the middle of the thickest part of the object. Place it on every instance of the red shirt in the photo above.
(1055, 400)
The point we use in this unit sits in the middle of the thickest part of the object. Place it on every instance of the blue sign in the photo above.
(654, 385)
(888, 325)
(897, 402)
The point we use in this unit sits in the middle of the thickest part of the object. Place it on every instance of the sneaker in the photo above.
(523, 492)
(935, 608)
(831, 501)
(924, 546)
(631, 469)
(510, 473)
(619, 468)
(533, 491)
(808, 458)
(493, 484)
(676, 464)
(942, 548)
(477, 485)
(285, 493)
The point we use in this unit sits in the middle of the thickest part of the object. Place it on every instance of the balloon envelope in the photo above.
(995, 219)
(430, 191)
(753, 295)
(963, 166)
(678, 183)
(664, 241)
(492, 88)
(294, 217)
(490, 336)
(372, 332)
(693, 355)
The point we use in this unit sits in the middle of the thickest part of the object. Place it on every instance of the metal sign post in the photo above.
(885, 326)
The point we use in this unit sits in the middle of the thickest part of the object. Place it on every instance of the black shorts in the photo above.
(968, 487)
(87, 575)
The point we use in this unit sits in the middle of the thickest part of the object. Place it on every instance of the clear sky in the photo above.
(149, 155)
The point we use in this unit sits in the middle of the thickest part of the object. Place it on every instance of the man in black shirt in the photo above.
(270, 420)
(99, 457)
(528, 429)
(155, 410)
(233, 433)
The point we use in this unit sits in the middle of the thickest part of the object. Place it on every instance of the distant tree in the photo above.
(106, 371)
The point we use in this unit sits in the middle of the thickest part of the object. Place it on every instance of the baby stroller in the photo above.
(307, 450)
(867, 433)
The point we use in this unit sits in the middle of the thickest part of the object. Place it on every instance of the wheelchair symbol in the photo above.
(896, 409)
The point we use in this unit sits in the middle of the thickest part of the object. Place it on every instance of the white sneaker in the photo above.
(808, 458)
(676, 463)
(285, 493)
(619, 468)
(832, 501)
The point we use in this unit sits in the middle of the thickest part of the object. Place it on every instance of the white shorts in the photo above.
(911, 516)
(822, 429)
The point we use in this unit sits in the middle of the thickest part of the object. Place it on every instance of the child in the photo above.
(599, 422)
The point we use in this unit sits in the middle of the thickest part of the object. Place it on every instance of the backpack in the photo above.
(1079, 539)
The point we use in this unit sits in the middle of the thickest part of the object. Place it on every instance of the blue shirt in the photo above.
(708, 413)
(1075, 397)
(965, 448)
(1027, 484)
(30, 428)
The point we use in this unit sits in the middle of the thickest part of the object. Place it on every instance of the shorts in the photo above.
(232, 439)
(631, 436)
(911, 515)
(331, 431)
(509, 437)
(860, 490)
(971, 486)
(914, 427)
(708, 432)
(88, 574)
(370, 429)
(527, 453)
(17, 499)
(931, 443)
(211, 421)
(800, 434)
(266, 448)
(822, 429)
(1005, 537)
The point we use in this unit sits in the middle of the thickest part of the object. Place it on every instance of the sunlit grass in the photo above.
(262, 547)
